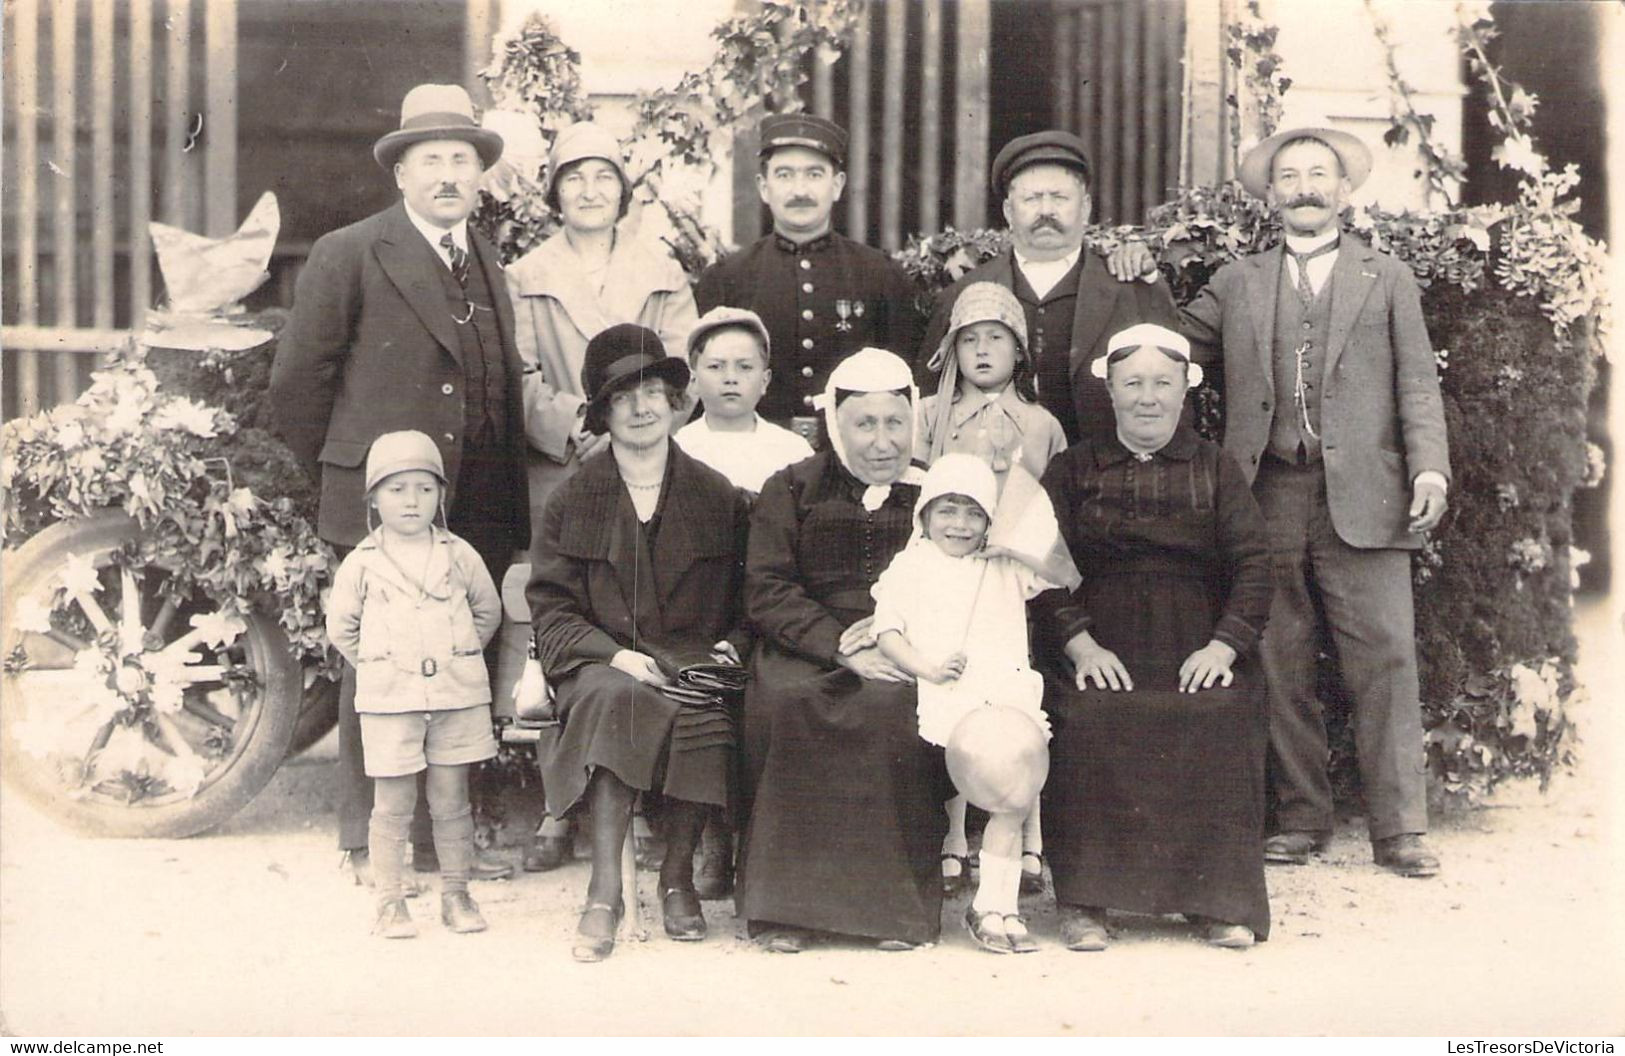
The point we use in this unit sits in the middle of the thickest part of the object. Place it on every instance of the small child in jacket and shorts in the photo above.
(412, 609)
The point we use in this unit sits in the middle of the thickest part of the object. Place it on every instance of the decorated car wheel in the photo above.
(129, 707)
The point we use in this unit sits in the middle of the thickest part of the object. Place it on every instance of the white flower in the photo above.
(79, 575)
(125, 417)
(182, 413)
(31, 616)
(70, 435)
(219, 629)
(1518, 152)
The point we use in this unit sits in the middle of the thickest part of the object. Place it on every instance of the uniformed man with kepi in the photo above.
(822, 295)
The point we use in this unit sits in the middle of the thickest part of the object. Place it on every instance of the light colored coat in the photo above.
(1381, 414)
(415, 649)
(556, 313)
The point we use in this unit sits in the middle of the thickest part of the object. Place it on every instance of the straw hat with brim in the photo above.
(1256, 165)
(618, 358)
(578, 142)
(437, 111)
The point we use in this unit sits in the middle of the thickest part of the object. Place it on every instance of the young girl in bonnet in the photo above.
(951, 611)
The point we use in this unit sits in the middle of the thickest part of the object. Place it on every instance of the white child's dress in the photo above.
(974, 605)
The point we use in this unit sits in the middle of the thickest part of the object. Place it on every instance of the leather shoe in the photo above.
(680, 912)
(954, 885)
(1015, 930)
(486, 866)
(1032, 881)
(547, 852)
(394, 922)
(988, 930)
(460, 914)
(595, 932)
(1406, 855)
(1294, 848)
(1083, 929)
(1229, 936)
(786, 940)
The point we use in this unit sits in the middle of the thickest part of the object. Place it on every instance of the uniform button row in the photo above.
(806, 287)
(806, 372)
(446, 388)
(806, 342)
(806, 313)
(805, 264)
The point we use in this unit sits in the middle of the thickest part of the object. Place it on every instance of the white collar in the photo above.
(1309, 243)
(434, 232)
(1053, 267)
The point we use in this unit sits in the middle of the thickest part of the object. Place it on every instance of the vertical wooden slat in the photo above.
(1128, 194)
(103, 218)
(177, 111)
(1088, 50)
(478, 23)
(1111, 44)
(930, 116)
(64, 158)
(140, 96)
(1064, 64)
(823, 80)
(25, 62)
(974, 34)
(1173, 95)
(220, 109)
(1153, 85)
(857, 165)
(891, 126)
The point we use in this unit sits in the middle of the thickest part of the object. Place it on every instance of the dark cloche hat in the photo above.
(1054, 146)
(803, 130)
(620, 357)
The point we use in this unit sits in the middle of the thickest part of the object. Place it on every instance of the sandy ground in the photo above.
(250, 930)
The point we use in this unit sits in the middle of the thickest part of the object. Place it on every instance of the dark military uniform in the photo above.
(821, 301)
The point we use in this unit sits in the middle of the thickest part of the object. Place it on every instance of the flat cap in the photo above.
(803, 130)
(1054, 146)
(723, 316)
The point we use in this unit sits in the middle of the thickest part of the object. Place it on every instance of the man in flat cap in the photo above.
(1072, 302)
(402, 321)
(822, 295)
(1332, 407)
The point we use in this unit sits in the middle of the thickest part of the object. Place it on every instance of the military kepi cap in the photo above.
(1054, 146)
(803, 130)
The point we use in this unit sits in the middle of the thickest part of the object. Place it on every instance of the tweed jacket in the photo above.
(370, 349)
(1381, 413)
(595, 589)
(1104, 306)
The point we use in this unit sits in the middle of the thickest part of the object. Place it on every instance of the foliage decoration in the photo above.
(1255, 64)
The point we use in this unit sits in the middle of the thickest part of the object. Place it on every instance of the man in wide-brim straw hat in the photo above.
(1332, 408)
(402, 321)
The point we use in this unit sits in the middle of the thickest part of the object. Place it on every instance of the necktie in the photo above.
(459, 258)
(1306, 290)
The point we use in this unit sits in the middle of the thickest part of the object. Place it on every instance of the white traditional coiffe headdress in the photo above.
(1124, 343)
(868, 370)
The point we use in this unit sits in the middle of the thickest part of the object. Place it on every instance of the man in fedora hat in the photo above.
(822, 295)
(1071, 301)
(402, 321)
(1332, 407)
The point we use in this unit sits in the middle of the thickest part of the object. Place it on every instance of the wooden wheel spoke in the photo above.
(130, 629)
(93, 611)
(165, 615)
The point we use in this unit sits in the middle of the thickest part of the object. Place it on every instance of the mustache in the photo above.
(1308, 198)
(800, 201)
(449, 189)
(1050, 222)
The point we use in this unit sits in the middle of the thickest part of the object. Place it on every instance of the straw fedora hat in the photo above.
(1255, 166)
(437, 111)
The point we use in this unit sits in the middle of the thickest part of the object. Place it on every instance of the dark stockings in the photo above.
(610, 801)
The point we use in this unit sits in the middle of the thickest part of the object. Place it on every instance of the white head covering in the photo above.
(868, 370)
(1141, 335)
(957, 474)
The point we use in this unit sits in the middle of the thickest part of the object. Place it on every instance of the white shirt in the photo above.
(434, 233)
(746, 459)
(1320, 269)
(1042, 275)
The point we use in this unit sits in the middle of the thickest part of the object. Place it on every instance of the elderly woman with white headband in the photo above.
(1155, 800)
(847, 817)
(589, 276)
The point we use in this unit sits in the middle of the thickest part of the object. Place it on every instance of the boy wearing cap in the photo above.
(412, 609)
(821, 295)
(728, 352)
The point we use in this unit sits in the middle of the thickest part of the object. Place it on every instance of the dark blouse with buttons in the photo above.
(1185, 512)
(815, 551)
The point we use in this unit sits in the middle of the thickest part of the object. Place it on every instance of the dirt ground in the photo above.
(251, 930)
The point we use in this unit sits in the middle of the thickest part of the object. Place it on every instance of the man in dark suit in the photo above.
(1072, 303)
(1333, 409)
(822, 295)
(402, 321)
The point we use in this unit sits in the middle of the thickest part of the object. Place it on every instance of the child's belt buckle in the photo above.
(429, 667)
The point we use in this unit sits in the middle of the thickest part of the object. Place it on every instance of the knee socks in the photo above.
(386, 846)
(454, 843)
(999, 884)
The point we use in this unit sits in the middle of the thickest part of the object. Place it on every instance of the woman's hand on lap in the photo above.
(640, 666)
(872, 665)
(725, 653)
(858, 636)
(1094, 662)
(1207, 667)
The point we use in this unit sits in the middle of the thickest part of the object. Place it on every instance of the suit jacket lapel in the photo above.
(1097, 294)
(1263, 295)
(1351, 283)
(496, 280)
(409, 262)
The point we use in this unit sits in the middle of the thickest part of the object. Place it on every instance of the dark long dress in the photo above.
(601, 582)
(847, 820)
(1155, 798)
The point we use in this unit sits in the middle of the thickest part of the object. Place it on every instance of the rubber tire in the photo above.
(26, 570)
(318, 714)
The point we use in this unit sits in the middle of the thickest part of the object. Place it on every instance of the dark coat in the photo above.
(1104, 306)
(592, 593)
(370, 349)
(1381, 413)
